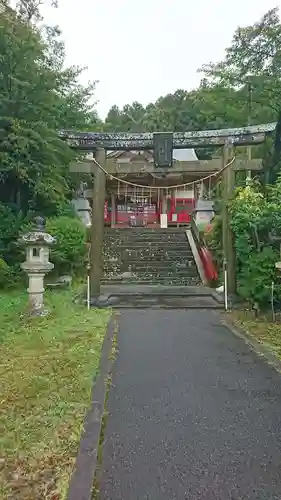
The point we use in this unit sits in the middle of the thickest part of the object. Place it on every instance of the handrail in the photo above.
(204, 253)
(195, 229)
(196, 255)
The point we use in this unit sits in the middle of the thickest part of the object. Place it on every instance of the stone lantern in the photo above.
(37, 264)
(203, 213)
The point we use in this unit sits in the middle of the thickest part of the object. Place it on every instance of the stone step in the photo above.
(126, 266)
(153, 277)
(170, 245)
(148, 281)
(146, 296)
(161, 245)
(145, 234)
(151, 258)
(158, 232)
(148, 261)
(133, 241)
(140, 302)
(148, 256)
(156, 266)
(150, 230)
(146, 237)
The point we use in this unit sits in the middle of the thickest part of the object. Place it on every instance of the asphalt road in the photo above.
(194, 413)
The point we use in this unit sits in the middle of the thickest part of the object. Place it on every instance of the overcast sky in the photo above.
(141, 50)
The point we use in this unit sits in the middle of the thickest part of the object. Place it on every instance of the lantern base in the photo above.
(38, 313)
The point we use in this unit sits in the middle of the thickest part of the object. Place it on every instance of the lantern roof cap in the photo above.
(37, 236)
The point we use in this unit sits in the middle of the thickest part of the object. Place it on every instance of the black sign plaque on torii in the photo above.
(163, 149)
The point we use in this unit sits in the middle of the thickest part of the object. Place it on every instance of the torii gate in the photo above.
(163, 144)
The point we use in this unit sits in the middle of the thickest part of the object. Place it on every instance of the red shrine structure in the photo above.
(143, 205)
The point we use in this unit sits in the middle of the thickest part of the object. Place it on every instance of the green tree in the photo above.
(208, 107)
(29, 10)
(128, 119)
(254, 57)
(252, 67)
(37, 98)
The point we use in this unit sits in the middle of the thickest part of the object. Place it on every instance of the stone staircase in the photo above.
(148, 257)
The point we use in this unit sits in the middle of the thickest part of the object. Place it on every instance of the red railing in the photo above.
(210, 269)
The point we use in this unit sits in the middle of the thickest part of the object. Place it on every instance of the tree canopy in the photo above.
(254, 58)
(38, 96)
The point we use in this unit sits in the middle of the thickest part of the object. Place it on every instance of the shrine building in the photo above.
(142, 205)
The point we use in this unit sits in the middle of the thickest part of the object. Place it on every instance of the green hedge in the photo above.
(69, 254)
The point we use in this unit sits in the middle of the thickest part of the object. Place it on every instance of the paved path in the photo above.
(194, 413)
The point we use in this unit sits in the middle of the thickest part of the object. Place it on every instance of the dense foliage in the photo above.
(38, 96)
(256, 217)
(69, 253)
(256, 224)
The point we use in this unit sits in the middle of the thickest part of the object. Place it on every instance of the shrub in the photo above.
(256, 276)
(10, 224)
(255, 213)
(254, 216)
(6, 274)
(69, 252)
(67, 210)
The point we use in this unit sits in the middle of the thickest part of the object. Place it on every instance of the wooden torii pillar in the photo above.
(228, 246)
(97, 230)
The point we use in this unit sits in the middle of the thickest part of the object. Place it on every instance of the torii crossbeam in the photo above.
(245, 136)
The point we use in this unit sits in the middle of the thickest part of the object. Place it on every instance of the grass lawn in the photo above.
(47, 371)
(262, 328)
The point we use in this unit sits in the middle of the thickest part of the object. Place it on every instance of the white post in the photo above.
(225, 285)
(88, 292)
(163, 221)
(272, 301)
